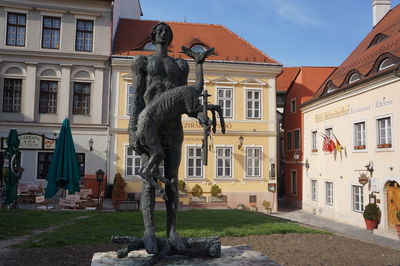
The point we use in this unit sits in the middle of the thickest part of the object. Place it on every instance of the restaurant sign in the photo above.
(30, 141)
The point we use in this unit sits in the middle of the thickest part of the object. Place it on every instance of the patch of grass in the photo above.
(99, 227)
(21, 222)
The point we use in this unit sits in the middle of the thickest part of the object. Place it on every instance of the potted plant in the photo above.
(267, 206)
(372, 216)
(197, 193)
(216, 195)
(182, 186)
(398, 225)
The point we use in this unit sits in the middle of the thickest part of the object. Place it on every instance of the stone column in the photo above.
(64, 91)
(29, 103)
(97, 95)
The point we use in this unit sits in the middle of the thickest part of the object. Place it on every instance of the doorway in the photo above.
(393, 203)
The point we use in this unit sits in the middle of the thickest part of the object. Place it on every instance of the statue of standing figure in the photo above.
(160, 96)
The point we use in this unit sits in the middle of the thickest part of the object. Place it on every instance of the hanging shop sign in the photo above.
(31, 141)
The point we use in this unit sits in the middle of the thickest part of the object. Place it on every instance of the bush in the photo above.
(119, 186)
(197, 191)
(182, 186)
(266, 205)
(216, 191)
(372, 212)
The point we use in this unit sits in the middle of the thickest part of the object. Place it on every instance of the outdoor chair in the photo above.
(41, 203)
(24, 194)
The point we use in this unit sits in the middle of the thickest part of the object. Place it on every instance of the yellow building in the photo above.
(241, 78)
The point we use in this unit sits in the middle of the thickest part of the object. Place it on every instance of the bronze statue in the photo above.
(161, 96)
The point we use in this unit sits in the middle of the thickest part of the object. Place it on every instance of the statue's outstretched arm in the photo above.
(139, 73)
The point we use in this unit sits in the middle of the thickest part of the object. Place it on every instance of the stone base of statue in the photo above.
(237, 255)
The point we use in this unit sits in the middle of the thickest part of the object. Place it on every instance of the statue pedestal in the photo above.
(237, 255)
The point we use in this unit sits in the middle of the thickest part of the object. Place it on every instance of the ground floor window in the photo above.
(132, 162)
(194, 164)
(329, 192)
(293, 182)
(314, 190)
(253, 162)
(224, 162)
(358, 198)
(81, 157)
(43, 164)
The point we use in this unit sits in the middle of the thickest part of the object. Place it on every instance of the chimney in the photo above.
(379, 10)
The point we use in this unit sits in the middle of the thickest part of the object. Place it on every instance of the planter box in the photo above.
(359, 147)
(384, 146)
(198, 200)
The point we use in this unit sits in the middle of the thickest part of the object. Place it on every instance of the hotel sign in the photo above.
(30, 141)
(341, 111)
(196, 125)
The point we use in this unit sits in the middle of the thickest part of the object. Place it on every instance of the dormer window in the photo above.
(388, 62)
(198, 48)
(330, 87)
(377, 39)
(149, 46)
(355, 77)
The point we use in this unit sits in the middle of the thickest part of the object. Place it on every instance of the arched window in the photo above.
(330, 87)
(198, 48)
(355, 77)
(388, 62)
(149, 46)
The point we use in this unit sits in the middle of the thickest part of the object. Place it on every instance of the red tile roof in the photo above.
(286, 78)
(365, 57)
(132, 35)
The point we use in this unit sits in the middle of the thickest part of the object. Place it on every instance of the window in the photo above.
(129, 99)
(329, 133)
(388, 62)
(198, 48)
(314, 190)
(359, 136)
(355, 77)
(81, 102)
(81, 161)
(384, 133)
(358, 198)
(16, 24)
(253, 106)
(194, 163)
(43, 164)
(149, 46)
(289, 140)
(84, 35)
(48, 97)
(132, 162)
(253, 162)
(314, 147)
(293, 182)
(252, 198)
(51, 32)
(12, 95)
(329, 193)
(225, 101)
(297, 139)
(224, 162)
(293, 105)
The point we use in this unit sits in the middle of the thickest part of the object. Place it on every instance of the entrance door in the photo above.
(393, 203)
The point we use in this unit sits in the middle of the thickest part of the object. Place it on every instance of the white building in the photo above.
(359, 106)
(54, 63)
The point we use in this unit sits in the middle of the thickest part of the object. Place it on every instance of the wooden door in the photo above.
(393, 203)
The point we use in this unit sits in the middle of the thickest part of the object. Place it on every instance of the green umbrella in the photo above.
(64, 169)
(11, 168)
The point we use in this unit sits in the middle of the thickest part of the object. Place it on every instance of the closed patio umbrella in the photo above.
(11, 168)
(64, 169)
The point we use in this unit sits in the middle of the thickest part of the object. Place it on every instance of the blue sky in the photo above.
(293, 32)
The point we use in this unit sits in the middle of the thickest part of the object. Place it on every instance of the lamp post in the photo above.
(99, 179)
(91, 144)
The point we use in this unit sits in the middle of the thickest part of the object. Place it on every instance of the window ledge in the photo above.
(224, 179)
(384, 146)
(314, 150)
(194, 179)
(253, 179)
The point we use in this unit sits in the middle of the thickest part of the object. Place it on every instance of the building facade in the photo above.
(350, 133)
(54, 64)
(241, 78)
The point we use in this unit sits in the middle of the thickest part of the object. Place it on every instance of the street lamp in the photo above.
(99, 179)
(91, 144)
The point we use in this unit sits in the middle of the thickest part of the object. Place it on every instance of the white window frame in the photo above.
(230, 158)
(329, 193)
(363, 140)
(357, 197)
(298, 146)
(314, 141)
(127, 99)
(293, 105)
(293, 185)
(314, 190)
(354, 77)
(253, 117)
(195, 157)
(253, 175)
(126, 157)
(93, 18)
(382, 65)
(387, 136)
(225, 99)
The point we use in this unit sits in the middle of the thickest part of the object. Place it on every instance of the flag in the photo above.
(332, 145)
(325, 145)
(338, 146)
